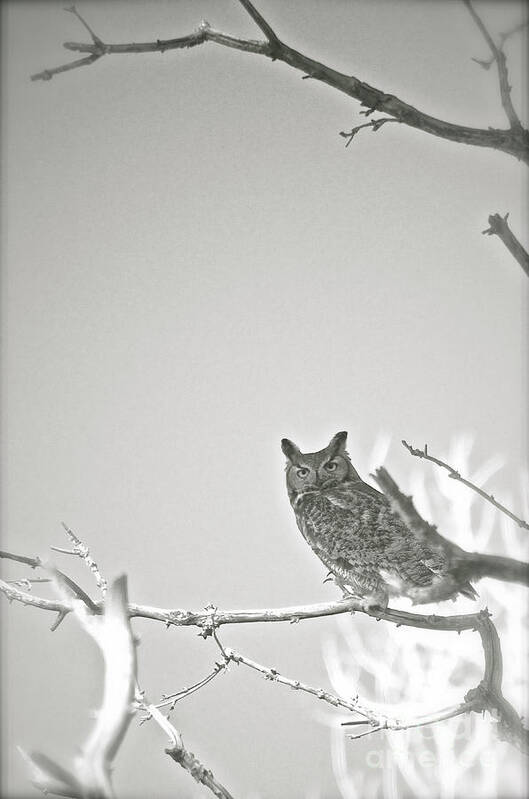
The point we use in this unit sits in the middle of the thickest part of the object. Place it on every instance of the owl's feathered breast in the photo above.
(352, 526)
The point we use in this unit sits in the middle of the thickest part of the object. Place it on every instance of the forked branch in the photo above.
(486, 696)
(513, 141)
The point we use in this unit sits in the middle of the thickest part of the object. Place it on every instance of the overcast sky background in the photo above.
(194, 267)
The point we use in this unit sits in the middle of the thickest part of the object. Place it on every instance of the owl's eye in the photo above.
(303, 472)
(331, 466)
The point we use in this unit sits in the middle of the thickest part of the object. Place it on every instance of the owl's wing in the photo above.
(360, 534)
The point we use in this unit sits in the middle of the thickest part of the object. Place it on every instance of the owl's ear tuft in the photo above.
(337, 443)
(290, 449)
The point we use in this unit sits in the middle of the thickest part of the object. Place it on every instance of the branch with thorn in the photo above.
(486, 696)
(513, 141)
(455, 475)
(81, 551)
(353, 705)
(211, 619)
(179, 617)
(371, 716)
(177, 752)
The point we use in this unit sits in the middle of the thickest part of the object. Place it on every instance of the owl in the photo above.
(351, 527)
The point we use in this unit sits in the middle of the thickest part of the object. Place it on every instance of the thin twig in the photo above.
(96, 40)
(498, 226)
(98, 50)
(81, 550)
(501, 62)
(455, 475)
(423, 720)
(374, 124)
(47, 74)
(172, 699)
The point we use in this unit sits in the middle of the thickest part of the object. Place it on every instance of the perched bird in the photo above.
(352, 529)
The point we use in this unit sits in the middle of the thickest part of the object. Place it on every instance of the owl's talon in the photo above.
(375, 604)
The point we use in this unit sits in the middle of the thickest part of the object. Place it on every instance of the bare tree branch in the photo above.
(418, 721)
(513, 141)
(353, 705)
(499, 227)
(510, 726)
(47, 74)
(486, 696)
(33, 562)
(499, 56)
(371, 716)
(183, 757)
(461, 564)
(15, 594)
(455, 475)
(203, 619)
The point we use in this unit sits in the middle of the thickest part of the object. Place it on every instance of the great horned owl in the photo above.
(352, 529)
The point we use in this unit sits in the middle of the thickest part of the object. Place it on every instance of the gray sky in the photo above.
(196, 267)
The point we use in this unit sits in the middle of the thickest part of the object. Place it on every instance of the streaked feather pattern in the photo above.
(353, 530)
